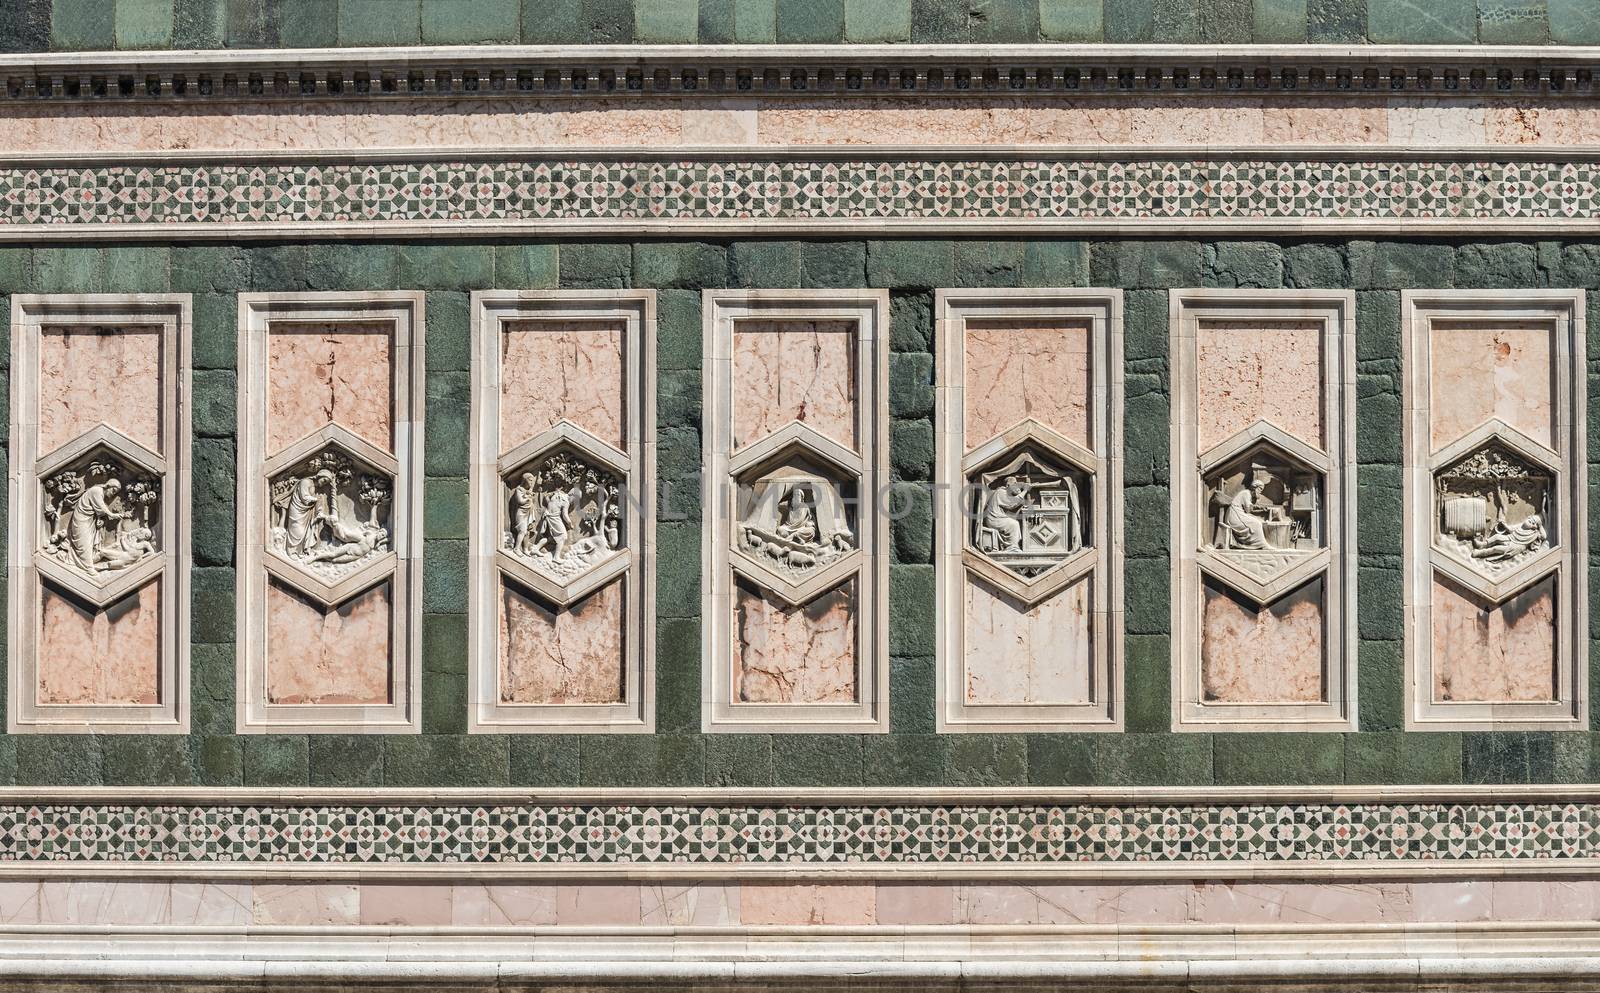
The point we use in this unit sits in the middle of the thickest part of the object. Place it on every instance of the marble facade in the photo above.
(1263, 441)
(563, 529)
(99, 592)
(1029, 400)
(797, 516)
(1495, 507)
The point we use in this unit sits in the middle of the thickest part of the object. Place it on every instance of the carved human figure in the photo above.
(318, 521)
(1245, 527)
(524, 511)
(1003, 513)
(799, 522)
(304, 511)
(554, 523)
(1509, 542)
(91, 511)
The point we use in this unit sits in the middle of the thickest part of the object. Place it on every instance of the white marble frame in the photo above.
(1101, 309)
(30, 314)
(869, 310)
(636, 310)
(404, 312)
(1335, 310)
(1563, 311)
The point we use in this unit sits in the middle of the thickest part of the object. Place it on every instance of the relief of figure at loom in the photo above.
(1028, 513)
(1492, 509)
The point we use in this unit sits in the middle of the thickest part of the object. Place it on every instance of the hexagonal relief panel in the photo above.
(562, 512)
(1263, 511)
(796, 517)
(1493, 509)
(1029, 509)
(102, 515)
(330, 513)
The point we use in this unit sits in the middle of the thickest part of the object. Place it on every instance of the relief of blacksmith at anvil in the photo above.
(1026, 516)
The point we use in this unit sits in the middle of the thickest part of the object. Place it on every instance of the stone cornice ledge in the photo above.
(817, 796)
(800, 71)
(1182, 958)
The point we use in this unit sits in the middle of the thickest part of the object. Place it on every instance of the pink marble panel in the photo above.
(554, 371)
(1452, 901)
(1481, 373)
(809, 903)
(916, 903)
(502, 905)
(406, 904)
(689, 904)
(338, 656)
(598, 904)
(1269, 371)
(320, 375)
(20, 901)
(1486, 653)
(306, 903)
(786, 654)
(1544, 899)
(1524, 123)
(1298, 903)
(110, 656)
(95, 901)
(1017, 654)
(550, 655)
(1020, 369)
(212, 903)
(1269, 655)
(515, 120)
(90, 376)
(794, 371)
(1437, 122)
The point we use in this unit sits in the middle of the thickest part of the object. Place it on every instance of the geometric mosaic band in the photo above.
(1546, 833)
(643, 190)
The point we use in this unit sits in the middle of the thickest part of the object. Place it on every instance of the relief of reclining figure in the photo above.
(92, 527)
(317, 521)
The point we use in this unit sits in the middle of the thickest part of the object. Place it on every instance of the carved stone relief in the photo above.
(795, 519)
(1493, 509)
(1263, 443)
(330, 514)
(330, 466)
(1263, 511)
(563, 513)
(101, 515)
(794, 514)
(563, 523)
(1495, 487)
(1029, 512)
(1028, 509)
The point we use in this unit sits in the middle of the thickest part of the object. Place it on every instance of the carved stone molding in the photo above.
(1263, 510)
(796, 524)
(562, 541)
(1028, 498)
(99, 592)
(645, 72)
(1495, 515)
(329, 541)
